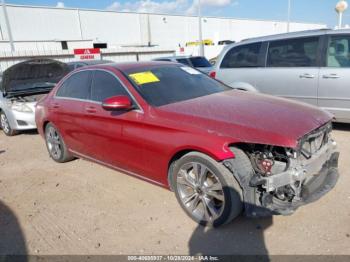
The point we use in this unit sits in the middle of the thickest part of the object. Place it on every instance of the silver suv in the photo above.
(21, 86)
(309, 66)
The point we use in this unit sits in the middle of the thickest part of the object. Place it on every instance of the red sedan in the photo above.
(221, 151)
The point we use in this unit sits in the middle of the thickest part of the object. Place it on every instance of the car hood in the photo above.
(27, 76)
(249, 117)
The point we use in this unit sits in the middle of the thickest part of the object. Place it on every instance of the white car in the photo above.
(21, 86)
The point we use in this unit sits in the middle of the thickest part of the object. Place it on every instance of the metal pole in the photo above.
(289, 11)
(149, 42)
(8, 26)
(201, 46)
(340, 22)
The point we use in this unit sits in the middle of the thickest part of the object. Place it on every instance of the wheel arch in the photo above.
(243, 86)
(183, 151)
(45, 123)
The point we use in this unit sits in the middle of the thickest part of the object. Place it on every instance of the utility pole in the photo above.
(288, 19)
(201, 46)
(8, 26)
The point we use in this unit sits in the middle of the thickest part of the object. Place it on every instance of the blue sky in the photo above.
(319, 11)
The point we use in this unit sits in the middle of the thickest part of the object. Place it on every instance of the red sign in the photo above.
(87, 53)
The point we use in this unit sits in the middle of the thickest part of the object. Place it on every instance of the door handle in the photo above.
(90, 109)
(331, 76)
(55, 106)
(307, 76)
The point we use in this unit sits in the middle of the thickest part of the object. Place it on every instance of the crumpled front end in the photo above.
(285, 179)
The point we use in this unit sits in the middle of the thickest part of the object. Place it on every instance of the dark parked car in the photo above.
(77, 64)
(221, 151)
(198, 62)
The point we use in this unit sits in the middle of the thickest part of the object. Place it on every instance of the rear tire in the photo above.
(5, 125)
(206, 190)
(55, 145)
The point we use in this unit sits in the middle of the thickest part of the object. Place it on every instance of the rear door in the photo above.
(240, 66)
(292, 69)
(67, 106)
(334, 87)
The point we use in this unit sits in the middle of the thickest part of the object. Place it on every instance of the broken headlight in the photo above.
(270, 160)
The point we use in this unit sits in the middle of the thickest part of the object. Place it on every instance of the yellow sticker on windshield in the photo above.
(144, 78)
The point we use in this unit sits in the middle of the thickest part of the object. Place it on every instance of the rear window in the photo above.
(76, 86)
(170, 84)
(200, 62)
(163, 59)
(184, 61)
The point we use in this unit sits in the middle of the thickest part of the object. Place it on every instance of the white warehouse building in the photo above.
(49, 28)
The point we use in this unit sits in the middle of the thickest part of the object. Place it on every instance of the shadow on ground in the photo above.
(341, 126)
(12, 240)
(29, 132)
(243, 236)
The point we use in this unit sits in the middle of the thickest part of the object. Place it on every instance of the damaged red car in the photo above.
(223, 152)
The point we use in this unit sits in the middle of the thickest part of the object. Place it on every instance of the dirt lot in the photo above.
(83, 208)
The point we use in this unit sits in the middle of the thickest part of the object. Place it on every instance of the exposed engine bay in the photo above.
(28, 98)
(284, 178)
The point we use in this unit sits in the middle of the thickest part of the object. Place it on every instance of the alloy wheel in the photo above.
(54, 143)
(5, 124)
(200, 191)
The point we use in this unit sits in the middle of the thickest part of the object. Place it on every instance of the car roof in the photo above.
(90, 62)
(131, 65)
(177, 57)
(293, 35)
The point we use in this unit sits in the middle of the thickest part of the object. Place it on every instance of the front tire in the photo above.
(55, 145)
(5, 125)
(206, 190)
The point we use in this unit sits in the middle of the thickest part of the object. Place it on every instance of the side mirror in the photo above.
(116, 103)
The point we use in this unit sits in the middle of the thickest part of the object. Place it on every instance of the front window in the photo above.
(105, 85)
(162, 85)
(338, 53)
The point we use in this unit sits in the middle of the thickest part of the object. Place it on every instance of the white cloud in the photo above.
(172, 6)
(60, 5)
(193, 9)
(149, 6)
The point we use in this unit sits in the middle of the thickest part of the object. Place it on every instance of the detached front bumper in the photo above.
(316, 186)
(310, 179)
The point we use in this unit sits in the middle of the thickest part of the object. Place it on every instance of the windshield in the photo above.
(200, 62)
(162, 85)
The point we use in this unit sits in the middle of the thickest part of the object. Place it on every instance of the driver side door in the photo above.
(103, 129)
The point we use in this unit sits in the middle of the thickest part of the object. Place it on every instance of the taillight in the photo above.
(212, 74)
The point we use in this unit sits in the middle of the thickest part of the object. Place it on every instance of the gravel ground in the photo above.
(83, 208)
